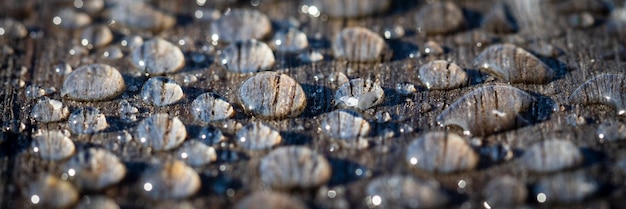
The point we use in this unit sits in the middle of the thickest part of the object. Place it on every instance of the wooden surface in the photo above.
(579, 61)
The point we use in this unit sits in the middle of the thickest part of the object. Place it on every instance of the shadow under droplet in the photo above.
(345, 171)
(318, 100)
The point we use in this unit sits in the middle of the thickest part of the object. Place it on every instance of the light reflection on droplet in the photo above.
(56, 20)
(71, 172)
(376, 200)
(541, 197)
(147, 187)
(34, 199)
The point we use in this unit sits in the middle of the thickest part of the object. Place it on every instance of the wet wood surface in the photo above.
(33, 58)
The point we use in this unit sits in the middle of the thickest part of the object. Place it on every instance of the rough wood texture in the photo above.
(580, 61)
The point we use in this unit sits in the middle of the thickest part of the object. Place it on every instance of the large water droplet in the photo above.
(487, 110)
(358, 44)
(95, 169)
(95, 82)
(291, 40)
(12, 28)
(294, 167)
(551, 155)
(161, 132)
(394, 191)
(441, 74)
(196, 153)
(611, 131)
(49, 110)
(440, 17)
(128, 112)
(247, 56)
(359, 93)
(96, 36)
(158, 56)
(344, 124)
(499, 19)
(241, 24)
(71, 19)
(161, 91)
(170, 180)
(258, 136)
(50, 192)
(605, 89)
(565, 188)
(210, 107)
(272, 95)
(97, 202)
(211, 136)
(514, 64)
(441, 152)
(139, 15)
(87, 120)
(269, 199)
(505, 191)
(52, 145)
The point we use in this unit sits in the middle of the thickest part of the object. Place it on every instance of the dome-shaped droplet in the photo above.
(272, 95)
(268, 199)
(95, 82)
(196, 153)
(440, 17)
(87, 120)
(241, 24)
(96, 36)
(97, 202)
(441, 74)
(310, 56)
(157, 57)
(95, 169)
(71, 19)
(359, 93)
(611, 131)
(139, 15)
(514, 64)
(581, 20)
(49, 110)
(161, 91)
(210, 107)
(294, 167)
(52, 145)
(405, 192)
(358, 44)
(499, 19)
(405, 88)
(344, 124)
(345, 8)
(131, 42)
(161, 132)
(608, 89)
(171, 180)
(551, 155)
(441, 152)
(247, 57)
(34, 92)
(211, 136)
(291, 40)
(51, 192)
(565, 188)
(258, 136)
(487, 110)
(12, 28)
(505, 191)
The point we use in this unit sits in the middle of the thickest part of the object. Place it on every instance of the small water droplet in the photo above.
(62, 69)
(291, 40)
(71, 19)
(294, 167)
(49, 110)
(441, 152)
(610, 131)
(95, 169)
(34, 92)
(96, 36)
(405, 89)
(258, 136)
(310, 56)
(211, 136)
(130, 42)
(50, 192)
(161, 91)
(247, 56)
(97, 202)
(272, 95)
(210, 107)
(128, 112)
(161, 132)
(499, 19)
(87, 120)
(196, 153)
(158, 56)
(52, 145)
(358, 44)
(345, 124)
(95, 82)
(241, 24)
(12, 28)
(359, 93)
(440, 18)
(112, 53)
(170, 180)
(140, 15)
(441, 74)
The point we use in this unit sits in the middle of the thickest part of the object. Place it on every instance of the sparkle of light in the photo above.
(413, 161)
(147, 187)
(34, 199)
(377, 200)
(56, 20)
(71, 172)
(541, 197)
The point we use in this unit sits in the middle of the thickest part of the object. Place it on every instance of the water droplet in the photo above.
(50, 192)
(241, 24)
(71, 19)
(291, 40)
(605, 89)
(247, 56)
(581, 20)
(128, 112)
(52, 145)
(565, 188)
(611, 130)
(345, 8)
(196, 153)
(440, 17)
(210, 107)
(140, 15)
(358, 44)
(34, 92)
(575, 6)
(211, 136)
(207, 14)
(158, 56)
(96, 36)
(505, 191)
(294, 167)
(487, 110)
(131, 42)
(12, 28)
(161, 132)
(161, 91)
(258, 136)
(269, 199)
(405, 89)
(95, 169)
(97, 202)
(112, 53)
(345, 124)
(396, 191)
(171, 180)
(89, 6)
(359, 93)
(337, 79)
(441, 152)
(499, 19)
(62, 68)
(551, 155)
(95, 82)
(432, 48)
(310, 56)
(272, 95)
(441, 74)
(393, 32)
(514, 64)
(87, 120)
(49, 110)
